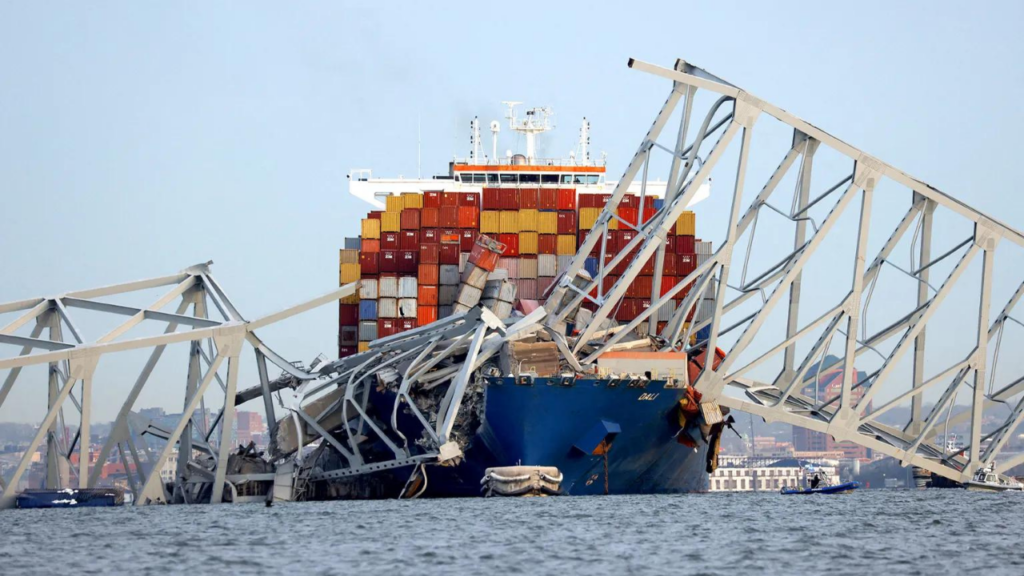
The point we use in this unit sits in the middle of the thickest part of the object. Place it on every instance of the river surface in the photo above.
(869, 532)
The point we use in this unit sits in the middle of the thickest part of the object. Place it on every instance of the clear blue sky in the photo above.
(139, 138)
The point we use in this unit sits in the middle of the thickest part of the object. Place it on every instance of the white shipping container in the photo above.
(387, 308)
(511, 265)
(388, 287)
(547, 265)
(449, 275)
(502, 309)
(563, 263)
(367, 330)
(528, 268)
(446, 296)
(665, 312)
(475, 277)
(368, 288)
(407, 287)
(705, 309)
(491, 290)
(468, 296)
(498, 274)
(461, 308)
(444, 311)
(508, 291)
(407, 308)
(463, 259)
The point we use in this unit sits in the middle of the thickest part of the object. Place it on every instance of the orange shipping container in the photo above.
(469, 217)
(428, 274)
(427, 295)
(425, 315)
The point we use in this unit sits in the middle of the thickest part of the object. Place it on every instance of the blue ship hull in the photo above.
(543, 422)
(70, 498)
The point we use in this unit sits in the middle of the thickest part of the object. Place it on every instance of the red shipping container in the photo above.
(669, 264)
(431, 199)
(648, 267)
(485, 253)
(467, 238)
(408, 260)
(511, 242)
(426, 295)
(430, 253)
(449, 199)
(410, 219)
(641, 287)
(348, 315)
(369, 245)
(449, 236)
(430, 218)
(623, 238)
(492, 199)
(428, 274)
(389, 261)
(387, 327)
(346, 351)
(369, 263)
(606, 285)
(430, 236)
(509, 198)
(410, 240)
(390, 240)
(649, 213)
(685, 245)
(566, 222)
(629, 201)
(449, 254)
(567, 199)
(547, 244)
(426, 315)
(667, 283)
(469, 217)
(585, 200)
(548, 199)
(528, 198)
(670, 243)
(685, 264)
(449, 216)
(469, 199)
(406, 324)
(628, 214)
(375, 215)
(611, 242)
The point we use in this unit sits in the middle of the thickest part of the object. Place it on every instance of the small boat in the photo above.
(986, 480)
(71, 498)
(836, 489)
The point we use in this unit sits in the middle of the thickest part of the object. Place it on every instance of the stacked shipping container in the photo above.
(413, 256)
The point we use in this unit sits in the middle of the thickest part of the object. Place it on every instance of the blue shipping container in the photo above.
(352, 243)
(590, 265)
(659, 203)
(367, 309)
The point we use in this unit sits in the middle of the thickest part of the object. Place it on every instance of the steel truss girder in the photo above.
(193, 287)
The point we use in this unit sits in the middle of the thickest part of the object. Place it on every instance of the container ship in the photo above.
(605, 434)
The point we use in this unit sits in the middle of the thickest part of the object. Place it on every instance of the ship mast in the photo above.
(536, 122)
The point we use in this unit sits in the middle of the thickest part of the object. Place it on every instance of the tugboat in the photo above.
(986, 480)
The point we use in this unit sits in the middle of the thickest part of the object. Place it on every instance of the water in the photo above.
(869, 532)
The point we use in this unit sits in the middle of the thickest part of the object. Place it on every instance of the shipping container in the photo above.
(428, 274)
(407, 287)
(528, 267)
(375, 214)
(426, 315)
(588, 217)
(468, 296)
(474, 276)
(641, 287)
(363, 346)
(368, 289)
(563, 263)
(566, 223)
(430, 236)
(427, 295)
(387, 308)
(431, 199)
(349, 273)
(527, 289)
(511, 265)
(528, 243)
(628, 214)
(444, 311)
(500, 290)
(491, 199)
(410, 219)
(446, 294)
(468, 217)
(471, 199)
(352, 243)
(685, 245)
(566, 245)
(368, 309)
(393, 204)
(367, 330)
(407, 307)
(463, 259)
(387, 287)
(686, 225)
(511, 242)
(547, 244)
(346, 351)
(685, 264)
(548, 199)
(528, 198)
(408, 260)
(449, 274)
(591, 265)
(449, 199)
(387, 327)
(389, 262)
(409, 240)
(543, 286)
(348, 315)
(370, 229)
(348, 257)
(369, 265)
(390, 240)
(508, 222)
(391, 222)
(485, 253)
(629, 201)
(412, 200)
(669, 264)
(467, 239)
(348, 335)
(567, 199)
(508, 198)
(449, 217)
(430, 253)
(528, 221)
(449, 254)
(490, 222)
(547, 223)
(430, 218)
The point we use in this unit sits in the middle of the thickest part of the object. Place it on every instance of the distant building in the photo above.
(249, 428)
(830, 385)
(749, 474)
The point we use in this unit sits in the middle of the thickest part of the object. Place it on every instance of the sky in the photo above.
(137, 139)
